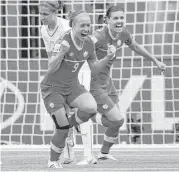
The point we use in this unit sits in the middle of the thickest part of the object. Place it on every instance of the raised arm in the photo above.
(98, 65)
(143, 52)
(59, 52)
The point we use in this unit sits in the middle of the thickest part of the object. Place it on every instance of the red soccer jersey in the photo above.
(102, 38)
(67, 75)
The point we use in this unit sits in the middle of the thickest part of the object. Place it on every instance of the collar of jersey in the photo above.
(110, 34)
(74, 42)
(51, 33)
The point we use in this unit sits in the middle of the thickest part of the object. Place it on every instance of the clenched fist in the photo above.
(111, 51)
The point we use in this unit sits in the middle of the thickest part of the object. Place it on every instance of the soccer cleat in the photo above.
(102, 156)
(54, 164)
(87, 160)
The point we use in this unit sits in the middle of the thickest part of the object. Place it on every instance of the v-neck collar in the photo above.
(110, 34)
(75, 44)
(52, 32)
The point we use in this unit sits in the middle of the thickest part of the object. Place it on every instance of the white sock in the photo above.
(87, 137)
(98, 118)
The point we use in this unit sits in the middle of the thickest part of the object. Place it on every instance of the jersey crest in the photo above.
(71, 54)
(85, 54)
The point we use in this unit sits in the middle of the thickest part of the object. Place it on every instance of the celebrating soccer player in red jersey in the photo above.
(52, 29)
(102, 88)
(60, 86)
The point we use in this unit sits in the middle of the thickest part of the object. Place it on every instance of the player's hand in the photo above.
(161, 66)
(65, 46)
(61, 47)
(111, 51)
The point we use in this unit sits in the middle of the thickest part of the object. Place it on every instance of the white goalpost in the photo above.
(149, 100)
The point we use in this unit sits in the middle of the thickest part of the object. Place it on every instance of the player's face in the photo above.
(82, 26)
(46, 15)
(116, 21)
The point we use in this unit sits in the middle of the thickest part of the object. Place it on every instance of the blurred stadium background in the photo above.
(148, 99)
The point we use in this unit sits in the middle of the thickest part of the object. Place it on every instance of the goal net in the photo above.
(148, 99)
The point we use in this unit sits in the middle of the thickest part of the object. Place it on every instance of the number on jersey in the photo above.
(75, 67)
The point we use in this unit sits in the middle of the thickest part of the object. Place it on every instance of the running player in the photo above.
(53, 28)
(102, 88)
(60, 86)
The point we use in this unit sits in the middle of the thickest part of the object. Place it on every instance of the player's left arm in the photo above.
(133, 45)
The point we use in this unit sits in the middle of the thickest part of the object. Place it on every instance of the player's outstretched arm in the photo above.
(143, 52)
(98, 65)
(59, 52)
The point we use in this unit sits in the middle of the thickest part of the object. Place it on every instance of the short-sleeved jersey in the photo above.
(102, 38)
(51, 37)
(66, 77)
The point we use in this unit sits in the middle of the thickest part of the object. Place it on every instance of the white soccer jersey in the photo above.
(50, 37)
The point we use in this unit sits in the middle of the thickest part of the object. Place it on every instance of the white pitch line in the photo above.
(113, 170)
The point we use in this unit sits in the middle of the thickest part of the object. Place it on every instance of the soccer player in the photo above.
(53, 28)
(115, 33)
(61, 86)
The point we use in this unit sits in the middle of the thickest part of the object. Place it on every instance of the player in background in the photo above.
(53, 28)
(86, 128)
(60, 85)
(102, 88)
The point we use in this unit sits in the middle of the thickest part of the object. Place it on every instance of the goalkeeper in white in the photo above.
(53, 28)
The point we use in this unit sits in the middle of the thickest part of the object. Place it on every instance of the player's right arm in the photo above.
(60, 49)
(98, 65)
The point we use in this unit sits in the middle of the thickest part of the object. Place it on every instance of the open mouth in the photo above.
(119, 25)
(84, 34)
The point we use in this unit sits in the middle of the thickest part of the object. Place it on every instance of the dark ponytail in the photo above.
(110, 10)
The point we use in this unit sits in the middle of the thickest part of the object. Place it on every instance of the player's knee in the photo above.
(60, 120)
(118, 123)
(63, 131)
(121, 122)
(86, 117)
(90, 108)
